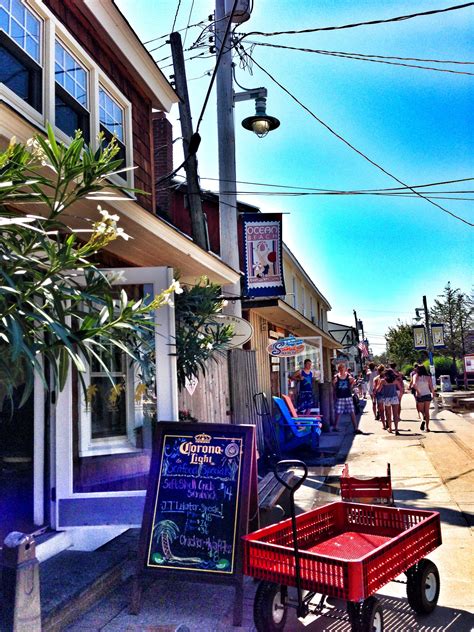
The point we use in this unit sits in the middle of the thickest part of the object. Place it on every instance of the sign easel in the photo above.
(201, 494)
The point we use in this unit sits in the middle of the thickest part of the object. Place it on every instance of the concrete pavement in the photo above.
(429, 471)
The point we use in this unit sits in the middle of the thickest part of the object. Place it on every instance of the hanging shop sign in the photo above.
(469, 363)
(419, 336)
(437, 335)
(202, 488)
(263, 255)
(286, 347)
(242, 329)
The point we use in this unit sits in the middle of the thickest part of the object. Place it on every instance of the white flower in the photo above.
(106, 215)
(121, 233)
(209, 346)
(176, 287)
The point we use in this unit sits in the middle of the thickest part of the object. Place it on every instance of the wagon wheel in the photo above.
(423, 586)
(270, 609)
(367, 616)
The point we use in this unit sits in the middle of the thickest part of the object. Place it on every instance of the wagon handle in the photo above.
(302, 609)
(286, 464)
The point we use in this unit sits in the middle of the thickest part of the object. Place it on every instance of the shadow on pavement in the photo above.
(398, 616)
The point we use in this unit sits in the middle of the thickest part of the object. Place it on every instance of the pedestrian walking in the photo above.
(399, 377)
(389, 386)
(371, 375)
(423, 385)
(343, 383)
(380, 414)
(412, 388)
(305, 377)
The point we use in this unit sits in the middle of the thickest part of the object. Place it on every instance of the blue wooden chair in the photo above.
(294, 432)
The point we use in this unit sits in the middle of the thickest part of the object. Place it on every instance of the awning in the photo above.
(280, 313)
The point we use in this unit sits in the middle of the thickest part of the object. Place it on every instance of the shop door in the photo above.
(102, 446)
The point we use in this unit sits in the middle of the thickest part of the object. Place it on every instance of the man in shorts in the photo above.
(343, 383)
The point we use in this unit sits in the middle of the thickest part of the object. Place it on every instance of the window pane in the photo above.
(66, 118)
(32, 25)
(70, 85)
(111, 114)
(32, 47)
(13, 74)
(14, 18)
(18, 11)
(3, 20)
(108, 408)
(17, 33)
(59, 54)
(68, 70)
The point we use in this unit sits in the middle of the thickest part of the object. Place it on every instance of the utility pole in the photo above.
(190, 165)
(226, 144)
(429, 341)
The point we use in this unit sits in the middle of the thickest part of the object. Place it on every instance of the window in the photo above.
(71, 99)
(111, 118)
(20, 52)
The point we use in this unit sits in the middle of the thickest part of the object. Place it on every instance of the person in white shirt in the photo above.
(372, 373)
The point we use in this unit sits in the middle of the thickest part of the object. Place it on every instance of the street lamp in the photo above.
(261, 123)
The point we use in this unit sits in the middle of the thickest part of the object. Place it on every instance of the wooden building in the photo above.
(79, 65)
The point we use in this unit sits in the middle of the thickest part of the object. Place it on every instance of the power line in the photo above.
(399, 18)
(189, 20)
(291, 186)
(358, 151)
(176, 15)
(160, 37)
(378, 59)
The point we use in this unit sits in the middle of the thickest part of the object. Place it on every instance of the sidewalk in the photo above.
(429, 471)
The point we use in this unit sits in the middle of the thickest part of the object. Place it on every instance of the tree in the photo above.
(199, 337)
(56, 306)
(453, 308)
(400, 348)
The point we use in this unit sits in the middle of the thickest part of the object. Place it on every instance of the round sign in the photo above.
(243, 330)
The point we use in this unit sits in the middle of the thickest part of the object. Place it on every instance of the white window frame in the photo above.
(11, 97)
(51, 29)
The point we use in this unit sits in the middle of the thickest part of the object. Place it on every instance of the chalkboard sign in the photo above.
(197, 506)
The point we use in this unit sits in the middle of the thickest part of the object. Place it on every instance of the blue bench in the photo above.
(295, 431)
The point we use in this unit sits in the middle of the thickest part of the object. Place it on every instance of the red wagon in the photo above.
(344, 550)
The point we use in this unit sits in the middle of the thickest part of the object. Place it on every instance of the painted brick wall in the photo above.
(72, 18)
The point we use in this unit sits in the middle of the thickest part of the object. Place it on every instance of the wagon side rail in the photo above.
(400, 553)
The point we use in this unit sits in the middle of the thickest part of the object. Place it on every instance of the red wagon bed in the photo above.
(346, 550)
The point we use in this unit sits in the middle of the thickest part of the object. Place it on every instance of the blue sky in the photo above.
(376, 254)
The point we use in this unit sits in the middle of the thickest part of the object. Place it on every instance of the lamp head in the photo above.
(261, 123)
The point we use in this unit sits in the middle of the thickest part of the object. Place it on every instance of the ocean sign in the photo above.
(286, 347)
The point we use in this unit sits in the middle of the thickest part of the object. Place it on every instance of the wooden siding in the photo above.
(70, 15)
(259, 344)
(210, 402)
(243, 385)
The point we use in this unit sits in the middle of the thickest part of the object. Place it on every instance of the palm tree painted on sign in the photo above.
(166, 531)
